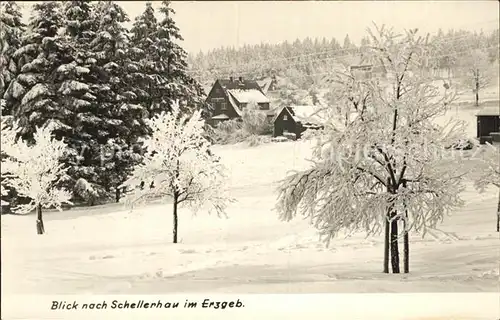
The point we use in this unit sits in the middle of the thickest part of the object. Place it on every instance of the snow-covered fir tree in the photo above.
(382, 165)
(79, 79)
(34, 93)
(179, 162)
(172, 64)
(119, 122)
(34, 170)
(7, 138)
(80, 22)
(34, 96)
(11, 31)
(142, 69)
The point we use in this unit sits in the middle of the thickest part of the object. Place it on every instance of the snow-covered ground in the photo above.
(109, 249)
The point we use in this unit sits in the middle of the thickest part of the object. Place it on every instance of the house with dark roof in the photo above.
(297, 119)
(229, 97)
(488, 122)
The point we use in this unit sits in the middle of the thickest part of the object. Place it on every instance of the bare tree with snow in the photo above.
(477, 72)
(382, 163)
(34, 170)
(181, 166)
(489, 173)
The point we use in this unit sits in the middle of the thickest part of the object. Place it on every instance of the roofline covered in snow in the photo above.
(489, 111)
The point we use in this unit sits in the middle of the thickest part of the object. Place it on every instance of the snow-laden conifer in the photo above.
(11, 32)
(171, 61)
(119, 119)
(33, 92)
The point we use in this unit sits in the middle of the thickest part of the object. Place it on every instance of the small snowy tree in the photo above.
(180, 164)
(34, 170)
(381, 164)
(254, 119)
(477, 72)
(489, 173)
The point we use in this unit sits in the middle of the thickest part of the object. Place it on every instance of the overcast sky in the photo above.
(211, 24)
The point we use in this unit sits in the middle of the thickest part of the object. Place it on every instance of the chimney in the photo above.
(231, 79)
(241, 79)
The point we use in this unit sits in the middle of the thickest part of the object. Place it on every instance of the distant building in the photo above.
(296, 119)
(268, 84)
(364, 67)
(229, 97)
(488, 122)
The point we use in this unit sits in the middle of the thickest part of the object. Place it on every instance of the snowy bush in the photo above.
(489, 168)
(8, 137)
(290, 135)
(255, 140)
(228, 132)
(229, 126)
(88, 192)
(254, 120)
(488, 172)
(279, 139)
(181, 166)
(34, 170)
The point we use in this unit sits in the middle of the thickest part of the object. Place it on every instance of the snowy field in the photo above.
(108, 249)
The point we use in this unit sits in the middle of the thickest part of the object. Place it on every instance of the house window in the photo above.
(264, 106)
(223, 106)
(217, 90)
(285, 118)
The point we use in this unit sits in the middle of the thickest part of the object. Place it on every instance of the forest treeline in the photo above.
(306, 61)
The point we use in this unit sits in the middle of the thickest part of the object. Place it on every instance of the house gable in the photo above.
(229, 96)
(221, 102)
(285, 114)
(284, 122)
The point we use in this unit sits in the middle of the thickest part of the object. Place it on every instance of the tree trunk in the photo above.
(406, 244)
(176, 218)
(498, 213)
(386, 235)
(386, 244)
(394, 244)
(406, 241)
(117, 194)
(477, 88)
(40, 229)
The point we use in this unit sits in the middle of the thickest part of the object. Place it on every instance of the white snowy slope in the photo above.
(111, 250)
(108, 249)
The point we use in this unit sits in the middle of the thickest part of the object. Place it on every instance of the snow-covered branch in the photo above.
(179, 163)
(34, 170)
(381, 135)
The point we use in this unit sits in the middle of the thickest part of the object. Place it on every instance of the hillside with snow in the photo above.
(110, 249)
